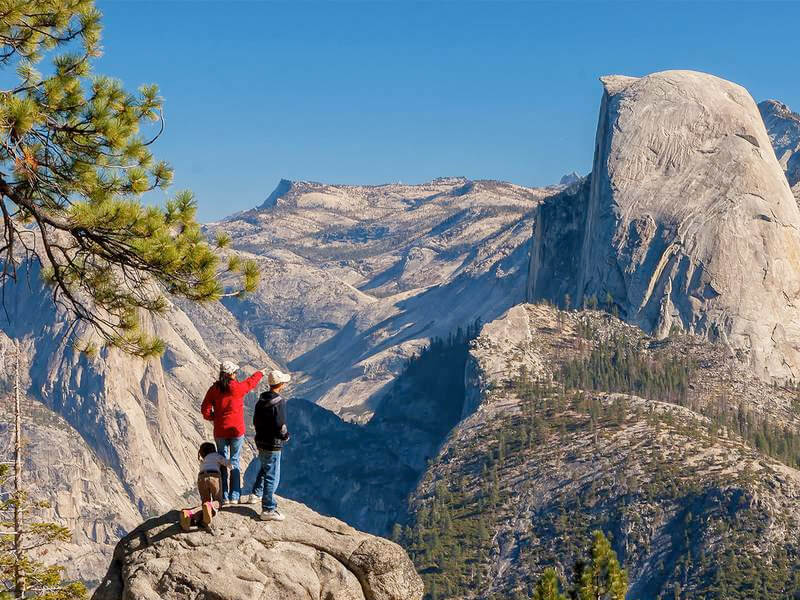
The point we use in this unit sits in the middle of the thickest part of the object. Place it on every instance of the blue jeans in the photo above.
(231, 448)
(269, 474)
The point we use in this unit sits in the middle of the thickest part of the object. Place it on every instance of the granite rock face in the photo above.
(305, 557)
(558, 232)
(689, 222)
(783, 127)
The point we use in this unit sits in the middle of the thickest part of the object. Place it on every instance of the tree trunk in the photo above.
(19, 580)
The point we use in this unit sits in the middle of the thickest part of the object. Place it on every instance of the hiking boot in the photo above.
(271, 515)
(208, 513)
(186, 519)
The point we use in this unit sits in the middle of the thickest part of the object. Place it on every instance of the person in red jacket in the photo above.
(224, 405)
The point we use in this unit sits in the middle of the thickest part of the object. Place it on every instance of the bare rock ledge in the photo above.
(307, 556)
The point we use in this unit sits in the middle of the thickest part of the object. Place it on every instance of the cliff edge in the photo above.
(306, 557)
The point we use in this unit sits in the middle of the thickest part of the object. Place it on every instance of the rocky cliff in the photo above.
(124, 432)
(305, 557)
(688, 221)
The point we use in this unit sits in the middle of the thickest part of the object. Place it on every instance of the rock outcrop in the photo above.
(783, 127)
(689, 222)
(569, 178)
(305, 557)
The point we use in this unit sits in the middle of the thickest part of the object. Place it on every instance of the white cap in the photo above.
(276, 377)
(229, 367)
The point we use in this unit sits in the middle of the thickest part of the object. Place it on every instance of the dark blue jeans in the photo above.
(268, 478)
(231, 448)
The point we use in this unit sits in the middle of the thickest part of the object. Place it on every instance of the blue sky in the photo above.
(377, 92)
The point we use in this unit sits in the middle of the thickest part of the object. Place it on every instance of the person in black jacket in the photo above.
(272, 433)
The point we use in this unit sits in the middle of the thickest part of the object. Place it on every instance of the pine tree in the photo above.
(548, 587)
(601, 578)
(74, 164)
(22, 576)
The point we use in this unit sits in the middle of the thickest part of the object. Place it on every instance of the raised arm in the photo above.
(252, 381)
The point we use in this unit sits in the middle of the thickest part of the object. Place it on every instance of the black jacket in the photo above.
(269, 419)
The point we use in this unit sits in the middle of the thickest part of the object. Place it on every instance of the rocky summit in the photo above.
(305, 557)
(687, 221)
(783, 126)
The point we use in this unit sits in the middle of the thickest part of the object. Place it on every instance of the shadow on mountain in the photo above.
(363, 474)
(434, 312)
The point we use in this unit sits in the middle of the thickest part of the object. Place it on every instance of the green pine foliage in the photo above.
(41, 581)
(449, 539)
(75, 161)
(548, 587)
(779, 442)
(597, 577)
(601, 577)
(617, 365)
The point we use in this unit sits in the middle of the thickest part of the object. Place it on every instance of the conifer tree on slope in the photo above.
(24, 536)
(601, 578)
(74, 164)
(39, 580)
(548, 587)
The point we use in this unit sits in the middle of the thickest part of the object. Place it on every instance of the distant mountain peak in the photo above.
(569, 178)
(776, 106)
(283, 187)
(783, 127)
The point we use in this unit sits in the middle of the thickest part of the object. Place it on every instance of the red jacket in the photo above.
(227, 410)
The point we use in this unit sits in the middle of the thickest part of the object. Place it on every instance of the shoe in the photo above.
(250, 499)
(224, 503)
(186, 519)
(271, 515)
(208, 513)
